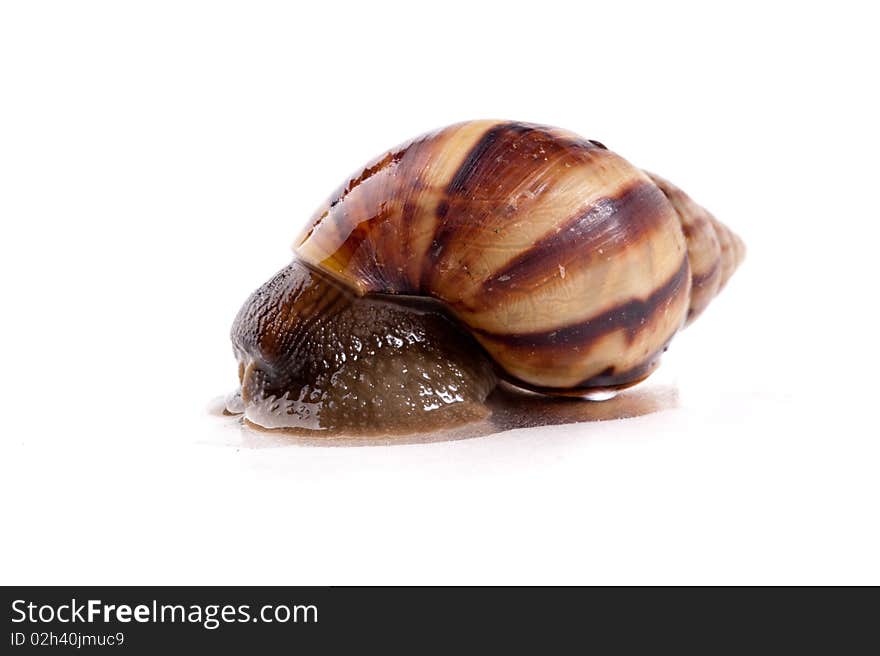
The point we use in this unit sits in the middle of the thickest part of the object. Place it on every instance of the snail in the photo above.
(483, 251)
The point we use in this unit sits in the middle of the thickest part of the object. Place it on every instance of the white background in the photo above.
(157, 159)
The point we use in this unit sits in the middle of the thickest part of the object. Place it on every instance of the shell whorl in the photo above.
(714, 250)
(570, 266)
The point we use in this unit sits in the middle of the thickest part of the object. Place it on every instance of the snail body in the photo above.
(546, 255)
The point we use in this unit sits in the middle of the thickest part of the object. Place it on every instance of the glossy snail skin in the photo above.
(547, 254)
(315, 356)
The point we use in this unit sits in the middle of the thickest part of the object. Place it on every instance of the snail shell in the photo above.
(570, 267)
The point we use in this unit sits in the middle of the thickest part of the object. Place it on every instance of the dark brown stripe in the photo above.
(698, 280)
(467, 176)
(360, 253)
(497, 165)
(611, 223)
(470, 174)
(374, 223)
(605, 380)
(608, 379)
(630, 316)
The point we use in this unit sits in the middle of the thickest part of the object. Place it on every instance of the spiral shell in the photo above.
(714, 251)
(571, 267)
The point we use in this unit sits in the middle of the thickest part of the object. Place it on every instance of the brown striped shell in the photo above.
(571, 268)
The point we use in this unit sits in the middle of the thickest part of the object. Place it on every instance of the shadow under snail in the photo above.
(485, 250)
